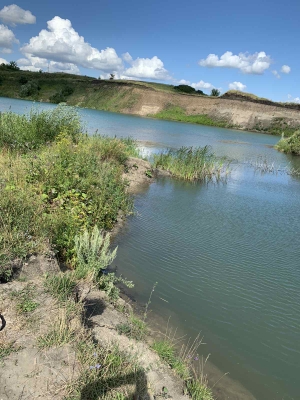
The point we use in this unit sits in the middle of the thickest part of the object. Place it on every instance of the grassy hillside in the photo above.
(152, 99)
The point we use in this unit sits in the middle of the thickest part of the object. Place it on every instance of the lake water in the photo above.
(225, 256)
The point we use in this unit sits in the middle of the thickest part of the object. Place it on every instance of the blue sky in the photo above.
(250, 46)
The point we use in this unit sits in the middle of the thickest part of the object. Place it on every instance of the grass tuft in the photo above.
(191, 164)
(60, 286)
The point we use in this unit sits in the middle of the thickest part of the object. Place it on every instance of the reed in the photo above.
(192, 164)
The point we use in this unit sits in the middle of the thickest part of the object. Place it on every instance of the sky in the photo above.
(224, 44)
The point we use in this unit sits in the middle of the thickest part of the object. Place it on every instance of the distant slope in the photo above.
(233, 109)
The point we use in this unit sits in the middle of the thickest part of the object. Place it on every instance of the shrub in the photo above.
(29, 89)
(185, 89)
(92, 252)
(291, 144)
(26, 132)
(215, 92)
(23, 80)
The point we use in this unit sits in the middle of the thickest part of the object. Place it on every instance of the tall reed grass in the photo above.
(191, 164)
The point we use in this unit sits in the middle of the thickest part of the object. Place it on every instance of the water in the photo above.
(226, 256)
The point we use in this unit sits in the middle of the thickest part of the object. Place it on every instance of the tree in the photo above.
(13, 66)
(185, 88)
(112, 76)
(215, 92)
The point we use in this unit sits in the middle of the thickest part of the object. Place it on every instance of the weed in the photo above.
(148, 173)
(135, 328)
(107, 282)
(190, 163)
(24, 300)
(60, 286)
(63, 332)
(92, 253)
(290, 144)
(6, 349)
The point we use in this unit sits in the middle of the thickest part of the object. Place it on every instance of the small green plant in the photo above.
(291, 144)
(148, 173)
(92, 252)
(25, 299)
(166, 351)
(60, 286)
(198, 390)
(6, 348)
(135, 328)
(107, 282)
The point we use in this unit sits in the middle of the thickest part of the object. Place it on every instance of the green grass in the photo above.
(52, 191)
(182, 362)
(107, 373)
(291, 144)
(60, 286)
(190, 163)
(25, 302)
(134, 328)
(175, 113)
(28, 132)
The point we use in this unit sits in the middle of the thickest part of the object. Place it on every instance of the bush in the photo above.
(26, 132)
(185, 89)
(291, 144)
(23, 80)
(215, 92)
(29, 89)
(61, 95)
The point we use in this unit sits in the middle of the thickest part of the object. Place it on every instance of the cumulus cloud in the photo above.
(149, 68)
(285, 69)
(292, 99)
(237, 86)
(255, 63)
(62, 44)
(184, 82)
(7, 39)
(13, 15)
(275, 73)
(37, 63)
(65, 48)
(3, 61)
(202, 85)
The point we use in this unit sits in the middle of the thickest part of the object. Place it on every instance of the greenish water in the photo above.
(225, 256)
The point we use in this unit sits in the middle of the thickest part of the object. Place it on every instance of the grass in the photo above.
(291, 144)
(28, 132)
(135, 328)
(52, 191)
(191, 164)
(6, 348)
(25, 299)
(107, 373)
(183, 364)
(60, 286)
(175, 113)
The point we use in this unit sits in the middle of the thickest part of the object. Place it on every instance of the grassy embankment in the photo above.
(175, 113)
(59, 190)
(121, 96)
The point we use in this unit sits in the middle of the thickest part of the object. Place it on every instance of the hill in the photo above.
(233, 109)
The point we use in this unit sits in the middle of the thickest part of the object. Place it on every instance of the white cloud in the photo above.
(3, 61)
(202, 85)
(255, 63)
(149, 68)
(184, 82)
(62, 44)
(36, 63)
(13, 15)
(237, 86)
(275, 73)
(293, 99)
(7, 39)
(285, 69)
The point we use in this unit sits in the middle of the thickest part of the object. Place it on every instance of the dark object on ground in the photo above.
(3, 322)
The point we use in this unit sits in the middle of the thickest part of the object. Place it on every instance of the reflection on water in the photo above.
(226, 256)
